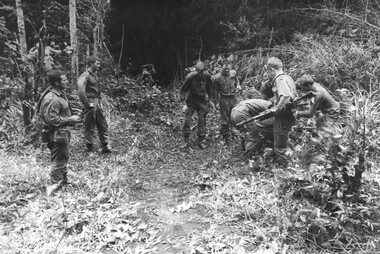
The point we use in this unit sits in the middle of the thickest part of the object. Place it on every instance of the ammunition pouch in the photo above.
(46, 133)
(61, 135)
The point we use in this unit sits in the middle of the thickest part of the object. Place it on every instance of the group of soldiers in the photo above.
(55, 111)
(277, 105)
(199, 91)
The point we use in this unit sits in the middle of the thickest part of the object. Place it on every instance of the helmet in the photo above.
(199, 66)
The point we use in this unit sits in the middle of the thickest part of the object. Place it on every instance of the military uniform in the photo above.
(324, 102)
(55, 111)
(253, 134)
(226, 86)
(283, 85)
(90, 95)
(197, 86)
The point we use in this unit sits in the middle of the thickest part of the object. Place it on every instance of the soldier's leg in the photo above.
(186, 130)
(225, 114)
(89, 127)
(59, 158)
(281, 136)
(202, 111)
(102, 126)
(252, 141)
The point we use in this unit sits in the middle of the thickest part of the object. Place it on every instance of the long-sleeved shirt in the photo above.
(226, 84)
(88, 87)
(283, 85)
(55, 110)
(249, 108)
(197, 86)
(323, 101)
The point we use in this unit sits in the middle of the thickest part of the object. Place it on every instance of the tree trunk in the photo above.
(74, 43)
(21, 30)
(27, 109)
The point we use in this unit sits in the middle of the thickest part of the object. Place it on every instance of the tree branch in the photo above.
(335, 13)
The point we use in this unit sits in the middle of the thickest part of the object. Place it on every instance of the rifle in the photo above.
(269, 113)
(309, 95)
(262, 116)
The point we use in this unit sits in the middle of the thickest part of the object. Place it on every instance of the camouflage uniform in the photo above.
(253, 134)
(198, 87)
(55, 111)
(324, 102)
(283, 85)
(90, 95)
(225, 86)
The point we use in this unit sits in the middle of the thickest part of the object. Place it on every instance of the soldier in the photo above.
(253, 134)
(197, 87)
(285, 92)
(324, 106)
(226, 85)
(89, 91)
(55, 111)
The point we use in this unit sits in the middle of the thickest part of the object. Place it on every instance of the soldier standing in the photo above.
(55, 111)
(226, 84)
(285, 92)
(89, 91)
(196, 90)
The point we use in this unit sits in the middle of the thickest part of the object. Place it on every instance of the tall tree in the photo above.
(28, 86)
(74, 43)
(21, 29)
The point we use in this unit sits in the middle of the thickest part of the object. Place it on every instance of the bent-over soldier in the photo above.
(324, 106)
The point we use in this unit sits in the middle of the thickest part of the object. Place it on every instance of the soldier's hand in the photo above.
(212, 105)
(75, 118)
(184, 109)
(274, 110)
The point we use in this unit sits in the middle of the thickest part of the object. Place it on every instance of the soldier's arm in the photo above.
(185, 88)
(82, 83)
(312, 110)
(53, 116)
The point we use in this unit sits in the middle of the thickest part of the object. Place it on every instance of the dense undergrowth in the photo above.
(150, 196)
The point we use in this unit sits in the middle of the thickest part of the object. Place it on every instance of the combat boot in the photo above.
(53, 187)
(186, 143)
(106, 149)
(201, 143)
(89, 148)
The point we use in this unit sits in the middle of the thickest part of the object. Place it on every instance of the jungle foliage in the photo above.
(150, 196)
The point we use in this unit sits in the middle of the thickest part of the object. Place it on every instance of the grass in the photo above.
(149, 196)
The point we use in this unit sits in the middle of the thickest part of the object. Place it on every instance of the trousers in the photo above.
(94, 118)
(226, 104)
(59, 156)
(202, 110)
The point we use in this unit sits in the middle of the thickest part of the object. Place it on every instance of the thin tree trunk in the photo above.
(26, 106)
(21, 30)
(74, 44)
